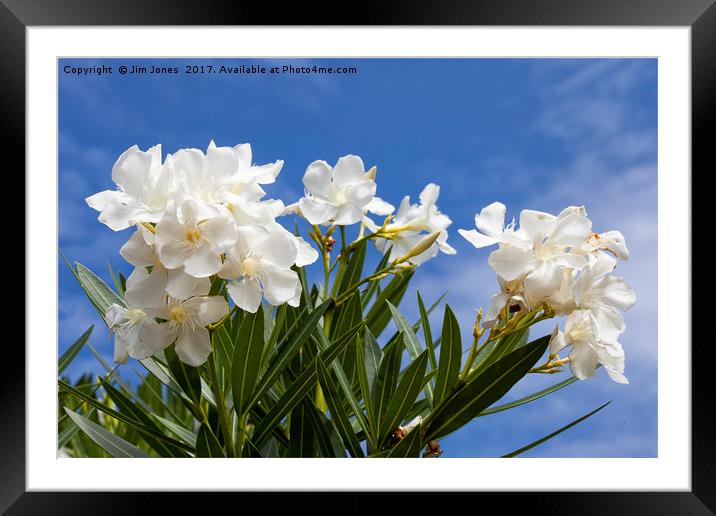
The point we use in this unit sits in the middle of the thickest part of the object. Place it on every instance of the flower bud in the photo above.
(422, 246)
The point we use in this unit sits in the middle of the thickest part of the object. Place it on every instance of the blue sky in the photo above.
(539, 134)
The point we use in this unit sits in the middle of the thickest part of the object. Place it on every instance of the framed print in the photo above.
(464, 238)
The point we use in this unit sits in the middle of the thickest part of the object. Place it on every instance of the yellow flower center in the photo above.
(193, 236)
(178, 315)
(250, 266)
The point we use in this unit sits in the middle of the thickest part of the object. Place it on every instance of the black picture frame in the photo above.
(700, 15)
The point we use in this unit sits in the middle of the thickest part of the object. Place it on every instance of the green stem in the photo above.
(243, 421)
(218, 324)
(221, 405)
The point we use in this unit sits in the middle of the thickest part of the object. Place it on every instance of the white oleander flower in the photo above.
(551, 242)
(151, 281)
(186, 325)
(183, 239)
(611, 241)
(604, 295)
(225, 175)
(259, 265)
(491, 223)
(512, 294)
(144, 188)
(588, 349)
(339, 195)
(136, 334)
(410, 224)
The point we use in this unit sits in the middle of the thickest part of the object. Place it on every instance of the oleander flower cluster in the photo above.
(557, 262)
(200, 217)
(263, 357)
(197, 216)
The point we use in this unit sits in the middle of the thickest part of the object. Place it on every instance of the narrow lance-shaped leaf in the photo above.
(450, 356)
(186, 376)
(207, 445)
(354, 269)
(282, 359)
(386, 380)
(129, 421)
(411, 342)
(126, 406)
(378, 317)
(111, 443)
(69, 355)
(364, 382)
(408, 447)
(484, 390)
(410, 385)
(301, 432)
(246, 361)
(530, 398)
(305, 382)
(427, 332)
(99, 294)
(553, 434)
(340, 419)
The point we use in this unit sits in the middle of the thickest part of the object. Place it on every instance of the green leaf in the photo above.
(531, 397)
(378, 317)
(207, 445)
(127, 420)
(553, 434)
(99, 294)
(184, 434)
(111, 443)
(301, 432)
(320, 429)
(484, 390)
(338, 416)
(224, 347)
(69, 355)
(427, 333)
(386, 380)
(354, 269)
(411, 342)
(373, 356)
(126, 406)
(305, 382)
(450, 356)
(246, 361)
(345, 383)
(374, 286)
(408, 447)
(288, 351)
(364, 382)
(186, 376)
(410, 385)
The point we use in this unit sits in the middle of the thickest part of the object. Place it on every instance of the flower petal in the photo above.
(583, 361)
(316, 211)
(379, 207)
(193, 346)
(317, 179)
(512, 263)
(144, 289)
(348, 170)
(544, 280)
(203, 262)
(477, 239)
(491, 220)
(246, 294)
(136, 250)
(348, 214)
(182, 286)
(279, 285)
